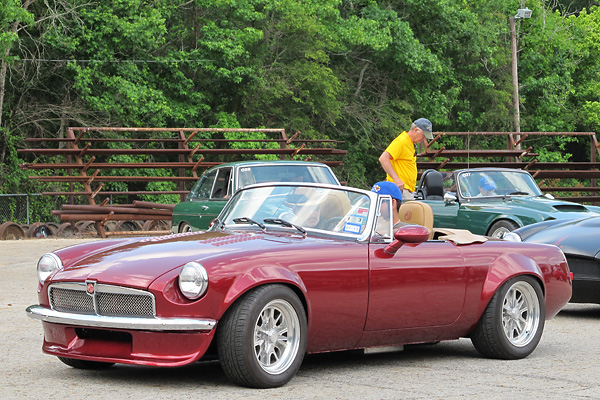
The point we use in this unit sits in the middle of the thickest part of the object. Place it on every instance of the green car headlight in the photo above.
(193, 280)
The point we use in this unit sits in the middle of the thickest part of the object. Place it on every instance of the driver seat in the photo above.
(431, 185)
(417, 213)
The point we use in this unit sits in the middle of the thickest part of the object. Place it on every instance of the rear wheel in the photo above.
(262, 339)
(512, 324)
(84, 364)
(501, 228)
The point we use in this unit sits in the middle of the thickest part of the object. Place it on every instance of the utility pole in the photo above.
(515, 75)
(521, 13)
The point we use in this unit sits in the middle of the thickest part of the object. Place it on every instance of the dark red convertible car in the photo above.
(289, 269)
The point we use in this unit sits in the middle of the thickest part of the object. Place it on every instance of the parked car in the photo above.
(288, 269)
(210, 194)
(492, 201)
(579, 240)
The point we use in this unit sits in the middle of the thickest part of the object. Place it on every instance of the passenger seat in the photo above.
(417, 213)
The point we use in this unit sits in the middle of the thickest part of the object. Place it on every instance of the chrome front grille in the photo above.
(69, 300)
(107, 300)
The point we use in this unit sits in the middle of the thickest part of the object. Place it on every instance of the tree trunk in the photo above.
(3, 69)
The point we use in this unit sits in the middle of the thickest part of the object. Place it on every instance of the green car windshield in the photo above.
(249, 175)
(322, 209)
(482, 184)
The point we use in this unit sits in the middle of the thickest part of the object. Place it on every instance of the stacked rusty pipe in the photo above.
(156, 217)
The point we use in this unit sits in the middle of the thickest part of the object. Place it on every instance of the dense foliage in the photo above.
(352, 70)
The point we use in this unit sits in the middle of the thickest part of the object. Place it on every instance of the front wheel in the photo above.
(501, 228)
(262, 339)
(511, 325)
(185, 227)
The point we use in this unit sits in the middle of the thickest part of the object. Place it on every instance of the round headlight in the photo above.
(193, 280)
(512, 237)
(47, 265)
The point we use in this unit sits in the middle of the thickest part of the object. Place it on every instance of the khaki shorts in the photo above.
(407, 195)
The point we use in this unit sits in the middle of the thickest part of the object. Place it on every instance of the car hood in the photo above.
(139, 262)
(545, 204)
(557, 209)
(577, 237)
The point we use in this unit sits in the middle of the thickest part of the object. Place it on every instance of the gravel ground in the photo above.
(564, 366)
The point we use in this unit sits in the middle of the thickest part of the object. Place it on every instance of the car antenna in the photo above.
(468, 150)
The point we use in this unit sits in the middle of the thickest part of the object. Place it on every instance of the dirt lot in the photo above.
(564, 366)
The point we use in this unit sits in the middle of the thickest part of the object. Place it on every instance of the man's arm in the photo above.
(385, 159)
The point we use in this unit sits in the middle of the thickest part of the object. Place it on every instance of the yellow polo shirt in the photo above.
(404, 160)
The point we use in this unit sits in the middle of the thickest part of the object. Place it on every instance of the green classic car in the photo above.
(492, 201)
(214, 188)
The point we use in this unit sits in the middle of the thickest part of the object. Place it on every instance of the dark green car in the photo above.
(492, 201)
(214, 188)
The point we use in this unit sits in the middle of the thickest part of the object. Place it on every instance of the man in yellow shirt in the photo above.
(399, 160)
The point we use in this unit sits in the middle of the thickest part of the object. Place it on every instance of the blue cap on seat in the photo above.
(387, 187)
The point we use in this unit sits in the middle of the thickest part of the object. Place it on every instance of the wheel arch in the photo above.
(505, 217)
(521, 217)
(506, 267)
(262, 276)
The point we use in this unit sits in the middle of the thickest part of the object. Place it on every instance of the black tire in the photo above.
(259, 314)
(184, 227)
(84, 364)
(501, 228)
(512, 324)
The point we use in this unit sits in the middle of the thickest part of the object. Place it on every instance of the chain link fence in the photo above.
(17, 207)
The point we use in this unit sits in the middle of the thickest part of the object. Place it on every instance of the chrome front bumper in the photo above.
(129, 323)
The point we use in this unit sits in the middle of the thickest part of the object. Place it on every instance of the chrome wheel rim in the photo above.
(276, 337)
(520, 314)
(500, 232)
(185, 228)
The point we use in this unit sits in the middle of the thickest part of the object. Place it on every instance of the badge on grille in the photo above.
(90, 287)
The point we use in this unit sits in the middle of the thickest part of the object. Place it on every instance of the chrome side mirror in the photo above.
(449, 198)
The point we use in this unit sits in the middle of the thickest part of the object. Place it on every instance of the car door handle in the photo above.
(205, 207)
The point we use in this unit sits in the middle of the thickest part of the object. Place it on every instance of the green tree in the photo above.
(13, 15)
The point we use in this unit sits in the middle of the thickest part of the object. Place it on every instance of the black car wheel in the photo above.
(185, 227)
(511, 325)
(84, 364)
(262, 339)
(501, 228)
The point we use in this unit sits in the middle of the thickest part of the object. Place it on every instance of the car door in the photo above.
(422, 285)
(209, 197)
(445, 214)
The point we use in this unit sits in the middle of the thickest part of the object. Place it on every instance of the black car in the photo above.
(579, 239)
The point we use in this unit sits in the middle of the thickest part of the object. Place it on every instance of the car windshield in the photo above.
(302, 208)
(490, 183)
(252, 174)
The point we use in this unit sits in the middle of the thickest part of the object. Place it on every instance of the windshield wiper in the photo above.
(283, 222)
(518, 193)
(248, 221)
(218, 224)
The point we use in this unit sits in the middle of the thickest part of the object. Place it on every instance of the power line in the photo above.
(111, 61)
